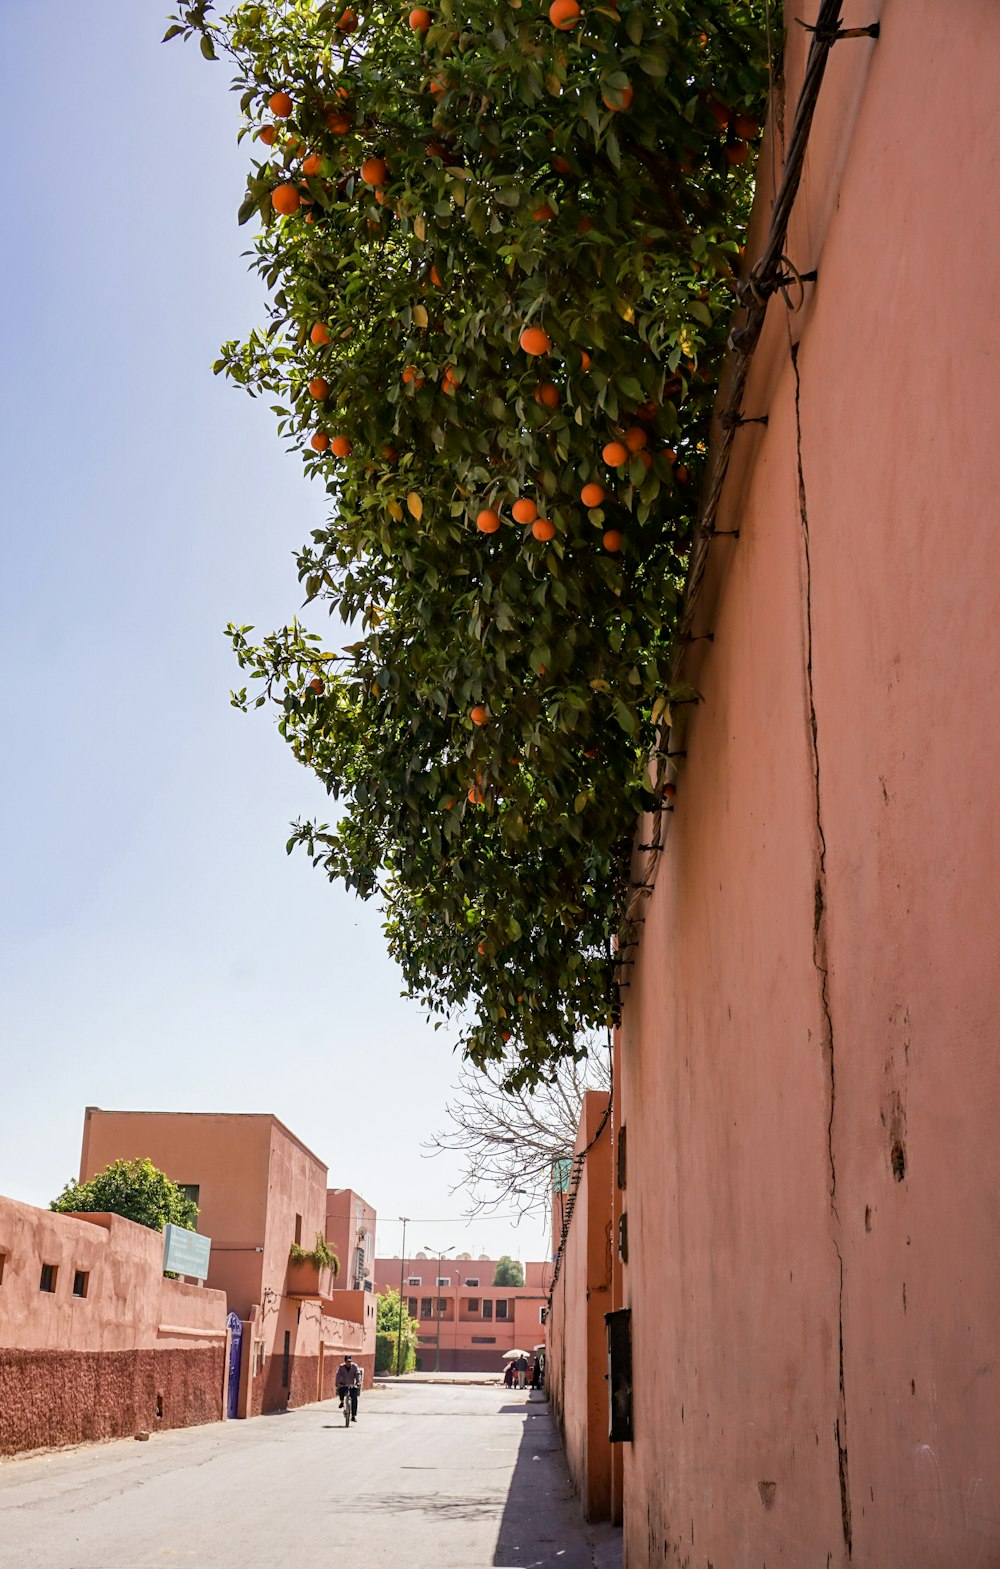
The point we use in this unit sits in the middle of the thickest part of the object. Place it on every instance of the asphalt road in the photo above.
(432, 1476)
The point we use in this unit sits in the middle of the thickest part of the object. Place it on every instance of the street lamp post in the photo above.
(437, 1304)
(402, 1272)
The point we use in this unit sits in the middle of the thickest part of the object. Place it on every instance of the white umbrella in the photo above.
(510, 1356)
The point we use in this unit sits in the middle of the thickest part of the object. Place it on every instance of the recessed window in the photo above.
(411, 1306)
(487, 1307)
(191, 1190)
(473, 1280)
(502, 1308)
(425, 1307)
(48, 1278)
(472, 1305)
(444, 1280)
(414, 1280)
(298, 1231)
(286, 1356)
(442, 1307)
(484, 1340)
(541, 1315)
(3, 1260)
(81, 1282)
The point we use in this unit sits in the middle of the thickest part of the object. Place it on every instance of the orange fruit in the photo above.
(584, 360)
(449, 381)
(319, 388)
(592, 495)
(317, 684)
(535, 340)
(285, 200)
(543, 213)
(562, 165)
(280, 105)
(478, 715)
(739, 152)
(347, 21)
(719, 112)
(646, 459)
(337, 122)
(613, 541)
(564, 14)
(635, 438)
(390, 455)
(623, 93)
(375, 171)
(524, 510)
(435, 277)
(437, 87)
(669, 791)
(341, 447)
(420, 20)
(320, 441)
(481, 948)
(615, 454)
(488, 521)
(543, 529)
(319, 334)
(746, 127)
(584, 226)
(411, 374)
(547, 395)
(267, 134)
(475, 795)
(681, 472)
(311, 165)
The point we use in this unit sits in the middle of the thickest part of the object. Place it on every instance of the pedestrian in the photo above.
(349, 1383)
(536, 1373)
(522, 1370)
(508, 1375)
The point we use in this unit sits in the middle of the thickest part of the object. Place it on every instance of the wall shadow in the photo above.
(542, 1525)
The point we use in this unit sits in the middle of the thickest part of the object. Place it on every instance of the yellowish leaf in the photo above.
(420, 315)
(420, 227)
(415, 505)
(396, 511)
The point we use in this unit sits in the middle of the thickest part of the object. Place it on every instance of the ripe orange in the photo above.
(488, 521)
(543, 529)
(285, 200)
(584, 226)
(562, 165)
(739, 152)
(613, 541)
(746, 127)
(592, 495)
(615, 454)
(635, 438)
(524, 510)
(623, 93)
(319, 334)
(337, 122)
(669, 791)
(535, 340)
(317, 685)
(646, 459)
(375, 171)
(475, 795)
(320, 441)
(435, 277)
(347, 21)
(420, 20)
(390, 455)
(720, 113)
(584, 360)
(411, 374)
(547, 395)
(280, 105)
(682, 473)
(319, 388)
(564, 14)
(267, 134)
(543, 213)
(341, 447)
(311, 165)
(437, 87)
(481, 948)
(478, 714)
(449, 381)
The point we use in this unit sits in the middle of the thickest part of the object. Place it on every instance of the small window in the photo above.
(286, 1355)
(3, 1260)
(191, 1190)
(441, 1307)
(414, 1280)
(425, 1308)
(444, 1280)
(48, 1278)
(484, 1340)
(411, 1306)
(473, 1305)
(487, 1307)
(473, 1280)
(541, 1315)
(298, 1231)
(502, 1306)
(81, 1281)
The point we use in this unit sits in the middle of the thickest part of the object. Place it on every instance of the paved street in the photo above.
(433, 1476)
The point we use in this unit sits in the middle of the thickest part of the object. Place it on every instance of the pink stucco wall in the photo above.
(137, 1351)
(808, 1058)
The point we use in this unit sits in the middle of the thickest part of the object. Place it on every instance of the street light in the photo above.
(437, 1302)
(399, 1330)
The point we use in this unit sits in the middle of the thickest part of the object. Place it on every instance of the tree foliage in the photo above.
(509, 1272)
(499, 254)
(134, 1188)
(387, 1325)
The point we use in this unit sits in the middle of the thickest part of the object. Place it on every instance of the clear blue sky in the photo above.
(158, 948)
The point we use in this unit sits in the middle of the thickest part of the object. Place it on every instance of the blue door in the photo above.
(235, 1348)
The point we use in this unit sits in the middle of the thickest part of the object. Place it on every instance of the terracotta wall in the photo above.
(576, 1334)
(808, 1057)
(136, 1352)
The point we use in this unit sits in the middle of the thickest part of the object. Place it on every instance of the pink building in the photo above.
(466, 1323)
(260, 1191)
(350, 1231)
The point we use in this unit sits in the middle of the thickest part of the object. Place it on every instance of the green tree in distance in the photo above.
(134, 1188)
(509, 1272)
(500, 241)
(387, 1325)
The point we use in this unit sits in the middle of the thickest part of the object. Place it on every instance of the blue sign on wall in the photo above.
(185, 1252)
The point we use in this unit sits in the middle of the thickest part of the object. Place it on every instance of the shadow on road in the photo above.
(542, 1525)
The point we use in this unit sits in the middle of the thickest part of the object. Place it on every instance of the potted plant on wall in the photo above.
(312, 1271)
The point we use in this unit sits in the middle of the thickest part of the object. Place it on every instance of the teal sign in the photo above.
(561, 1172)
(185, 1252)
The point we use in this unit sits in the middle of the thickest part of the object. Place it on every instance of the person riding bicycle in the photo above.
(349, 1383)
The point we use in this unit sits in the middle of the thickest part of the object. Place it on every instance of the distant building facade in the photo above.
(465, 1322)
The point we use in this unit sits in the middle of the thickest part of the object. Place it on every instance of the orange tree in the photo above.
(499, 242)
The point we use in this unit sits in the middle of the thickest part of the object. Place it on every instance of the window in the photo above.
(442, 1307)
(484, 1340)
(487, 1307)
(414, 1280)
(286, 1355)
(81, 1280)
(541, 1315)
(411, 1306)
(502, 1306)
(426, 1340)
(3, 1260)
(191, 1190)
(298, 1230)
(48, 1279)
(444, 1280)
(472, 1305)
(473, 1280)
(425, 1308)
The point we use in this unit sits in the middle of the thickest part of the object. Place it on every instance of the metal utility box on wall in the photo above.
(619, 1326)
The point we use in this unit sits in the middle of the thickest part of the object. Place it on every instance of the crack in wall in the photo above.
(819, 958)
